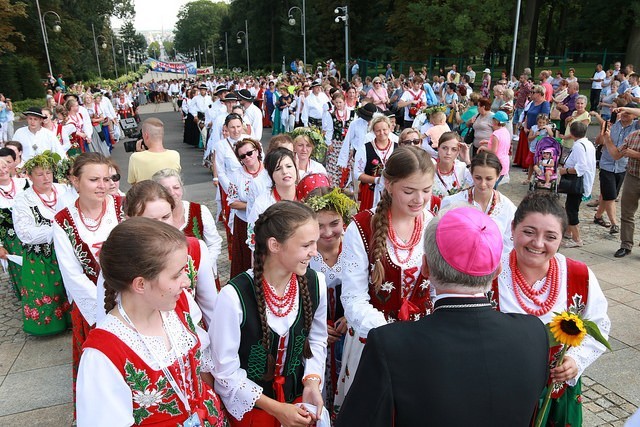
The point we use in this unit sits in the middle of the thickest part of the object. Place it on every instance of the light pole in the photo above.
(113, 49)
(515, 40)
(225, 48)
(45, 36)
(303, 27)
(124, 56)
(95, 43)
(245, 33)
(345, 19)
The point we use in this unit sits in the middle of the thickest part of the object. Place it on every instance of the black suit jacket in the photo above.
(467, 367)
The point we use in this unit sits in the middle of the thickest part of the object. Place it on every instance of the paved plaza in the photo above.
(35, 372)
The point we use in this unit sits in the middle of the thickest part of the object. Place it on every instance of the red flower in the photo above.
(47, 320)
(579, 398)
(35, 314)
(46, 299)
(58, 312)
(38, 302)
(374, 162)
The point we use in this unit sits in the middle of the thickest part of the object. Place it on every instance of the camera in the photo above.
(130, 145)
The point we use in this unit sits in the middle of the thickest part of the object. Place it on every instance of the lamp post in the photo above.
(345, 19)
(113, 49)
(124, 56)
(95, 43)
(515, 40)
(245, 33)
(303, 27)
(226, 47)
(45, 36)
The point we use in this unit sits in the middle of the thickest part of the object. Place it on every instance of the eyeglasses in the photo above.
(412, 142)
(245, 155)
(377, 83)
(115, 177)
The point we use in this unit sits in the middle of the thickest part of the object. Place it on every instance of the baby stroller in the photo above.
(553, 146)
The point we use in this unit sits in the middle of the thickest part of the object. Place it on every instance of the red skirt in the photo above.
(256, 418)
(365, 196)
(522, 152)
(241, 255)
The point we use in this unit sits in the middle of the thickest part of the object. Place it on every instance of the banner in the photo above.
(207, 70)
(172, 67)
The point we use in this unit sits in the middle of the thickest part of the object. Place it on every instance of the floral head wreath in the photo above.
(434, 109)
(319, 146)
(63, 168)
(336, 201)
(46, 160)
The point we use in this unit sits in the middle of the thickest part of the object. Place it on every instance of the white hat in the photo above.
(486, 70)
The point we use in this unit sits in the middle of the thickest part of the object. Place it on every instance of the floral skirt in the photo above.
(334, 171)
(352, 352)
(565, 410)
(13, 245)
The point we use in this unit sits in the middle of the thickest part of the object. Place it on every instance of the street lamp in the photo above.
(303, 27)
(124, 56)
(344, 18)
(45, 35)
(226, 47)
(245, 33)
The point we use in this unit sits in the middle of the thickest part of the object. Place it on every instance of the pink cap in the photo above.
(469, 241)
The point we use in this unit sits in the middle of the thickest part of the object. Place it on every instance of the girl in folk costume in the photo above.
(382, 252)
(270, 329)
(58, 125)
(335, 126)
(79, 118)
(10, 244)
(304, 146)
(193, 219)
(485, 170)
(249, 153)
(281, 167)
(351, 99)
(143, 364)
(537, 280)
(333, 211)
(370, 162)
(452, 173)
(44, 303)
(78, 233)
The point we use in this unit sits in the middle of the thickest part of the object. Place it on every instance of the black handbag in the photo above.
(471, 134)
(571, 184)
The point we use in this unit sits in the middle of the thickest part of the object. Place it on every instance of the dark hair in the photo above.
(4, 152)
(484, 102)
(446, 136)
(278, 141)
(273, 159)
(248, 141)
(232, 116)
(142, 193)
(280, 221)
(16, 144)
(578, 129)
(452, 86)
(487, 159)
(154, 241)
(542, 202)
(405, 161)
(85, 159)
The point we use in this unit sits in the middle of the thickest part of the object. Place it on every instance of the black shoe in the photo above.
(622, 252)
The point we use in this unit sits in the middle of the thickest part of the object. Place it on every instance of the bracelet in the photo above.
(312, 377)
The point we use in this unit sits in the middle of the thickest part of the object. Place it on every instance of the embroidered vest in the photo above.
(193, 263)
(577, 294)
(90, 265)
(389, 298)
(195, 226)
(374, 166)
(253, 356)
(340, 128)
(154, 401)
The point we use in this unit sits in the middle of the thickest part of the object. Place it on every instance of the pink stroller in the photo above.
(553, 146)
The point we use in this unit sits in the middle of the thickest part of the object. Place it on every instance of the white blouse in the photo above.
(442, 184)
(312, 167)
(19, 186)
(239, 393)
(595, 310)
(261, 204)
(239, 189)
(109, 402)
(227, 162)
(502, 214)
(360, 313)
(210, 233)
(24, 222)
(79, 287)
(259, 185)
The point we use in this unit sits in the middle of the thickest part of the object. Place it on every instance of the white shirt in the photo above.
(599, 75)
(314, 106)
(312, 167)
(107, 108)
(37, 143)
(583, 160)
(226, 161)
(199, 104)
(408, 96)
(239, 189)
(210, 233)
(354, 139)
(253, 116)
(238, 392)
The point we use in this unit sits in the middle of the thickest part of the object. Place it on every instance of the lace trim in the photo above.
(184, 341)
(244, 399)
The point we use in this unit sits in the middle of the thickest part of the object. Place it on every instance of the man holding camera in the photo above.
(151, 156)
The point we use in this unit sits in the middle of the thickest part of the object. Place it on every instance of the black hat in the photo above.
(231, 96)
(33, 111)
(388, 113)
(245, 95)
(69, 95)
(367, 111)
(202, 86)
(219, 89)
(315, 83)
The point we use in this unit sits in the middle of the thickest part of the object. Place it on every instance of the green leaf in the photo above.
(594, 331)
(170, 408)
(140, 414)
(137, 379)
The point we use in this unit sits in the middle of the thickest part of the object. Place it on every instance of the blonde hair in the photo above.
(379, 118)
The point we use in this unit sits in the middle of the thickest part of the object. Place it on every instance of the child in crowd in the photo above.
(433, 134)
(541, 129)
(544, 168)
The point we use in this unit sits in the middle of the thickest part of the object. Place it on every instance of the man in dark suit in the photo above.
(465, 364)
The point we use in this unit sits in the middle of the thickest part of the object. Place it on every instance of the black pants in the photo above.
(595, 99)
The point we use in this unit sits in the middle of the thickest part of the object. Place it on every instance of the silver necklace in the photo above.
(478, 305)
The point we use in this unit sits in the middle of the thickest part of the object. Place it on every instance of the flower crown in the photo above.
(46, 160)
(434, 109)
(336, 201)
(316, 136)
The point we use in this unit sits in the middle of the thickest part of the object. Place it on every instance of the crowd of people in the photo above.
(374, 202)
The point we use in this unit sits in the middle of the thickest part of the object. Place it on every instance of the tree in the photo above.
(131, 38)
(154, 49)
(198, 21)
(8, 12)
(168, 47)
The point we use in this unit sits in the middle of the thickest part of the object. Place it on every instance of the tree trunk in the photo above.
(558, 34)
(547, 33)
(533, 41)
(633, 45)
(524, 37)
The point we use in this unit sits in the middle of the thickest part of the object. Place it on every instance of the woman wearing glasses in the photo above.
(378, 94)
(114, 174)
(410, 136)
(249, 154)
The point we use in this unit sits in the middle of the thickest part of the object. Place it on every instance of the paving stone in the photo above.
(591, 394)
(9, 351)
(59, 415)
(606, 416)
(618, 412)
(23, 391)
(592, 407)
(615, 399)
(45, 352)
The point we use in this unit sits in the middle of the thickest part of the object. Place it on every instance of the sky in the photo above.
(154, 14)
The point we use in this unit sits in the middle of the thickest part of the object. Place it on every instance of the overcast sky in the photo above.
(154, 14)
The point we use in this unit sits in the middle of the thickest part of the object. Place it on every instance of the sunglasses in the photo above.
(412, 142)
(247, 154)
(115, 177)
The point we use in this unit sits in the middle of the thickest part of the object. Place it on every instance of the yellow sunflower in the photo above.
(568, 328)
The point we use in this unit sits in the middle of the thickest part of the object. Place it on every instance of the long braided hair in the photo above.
(279, 221)
(403, 162)
(138, 247)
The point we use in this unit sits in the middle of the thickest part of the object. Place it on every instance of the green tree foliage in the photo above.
(198, 21)
(8, 11)
(131, 38)
(154, 49)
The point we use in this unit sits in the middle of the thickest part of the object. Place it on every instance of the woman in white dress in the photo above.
(452, 173)
(485, 170)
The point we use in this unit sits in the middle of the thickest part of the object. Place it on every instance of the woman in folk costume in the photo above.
(78, 233)
(333, 210)
(537, 280)
(193, 219)
(143, 363)
(335, 125)
(44, 303)
(452, 173)
(270, 329)
(10, 244)
(382, 256)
